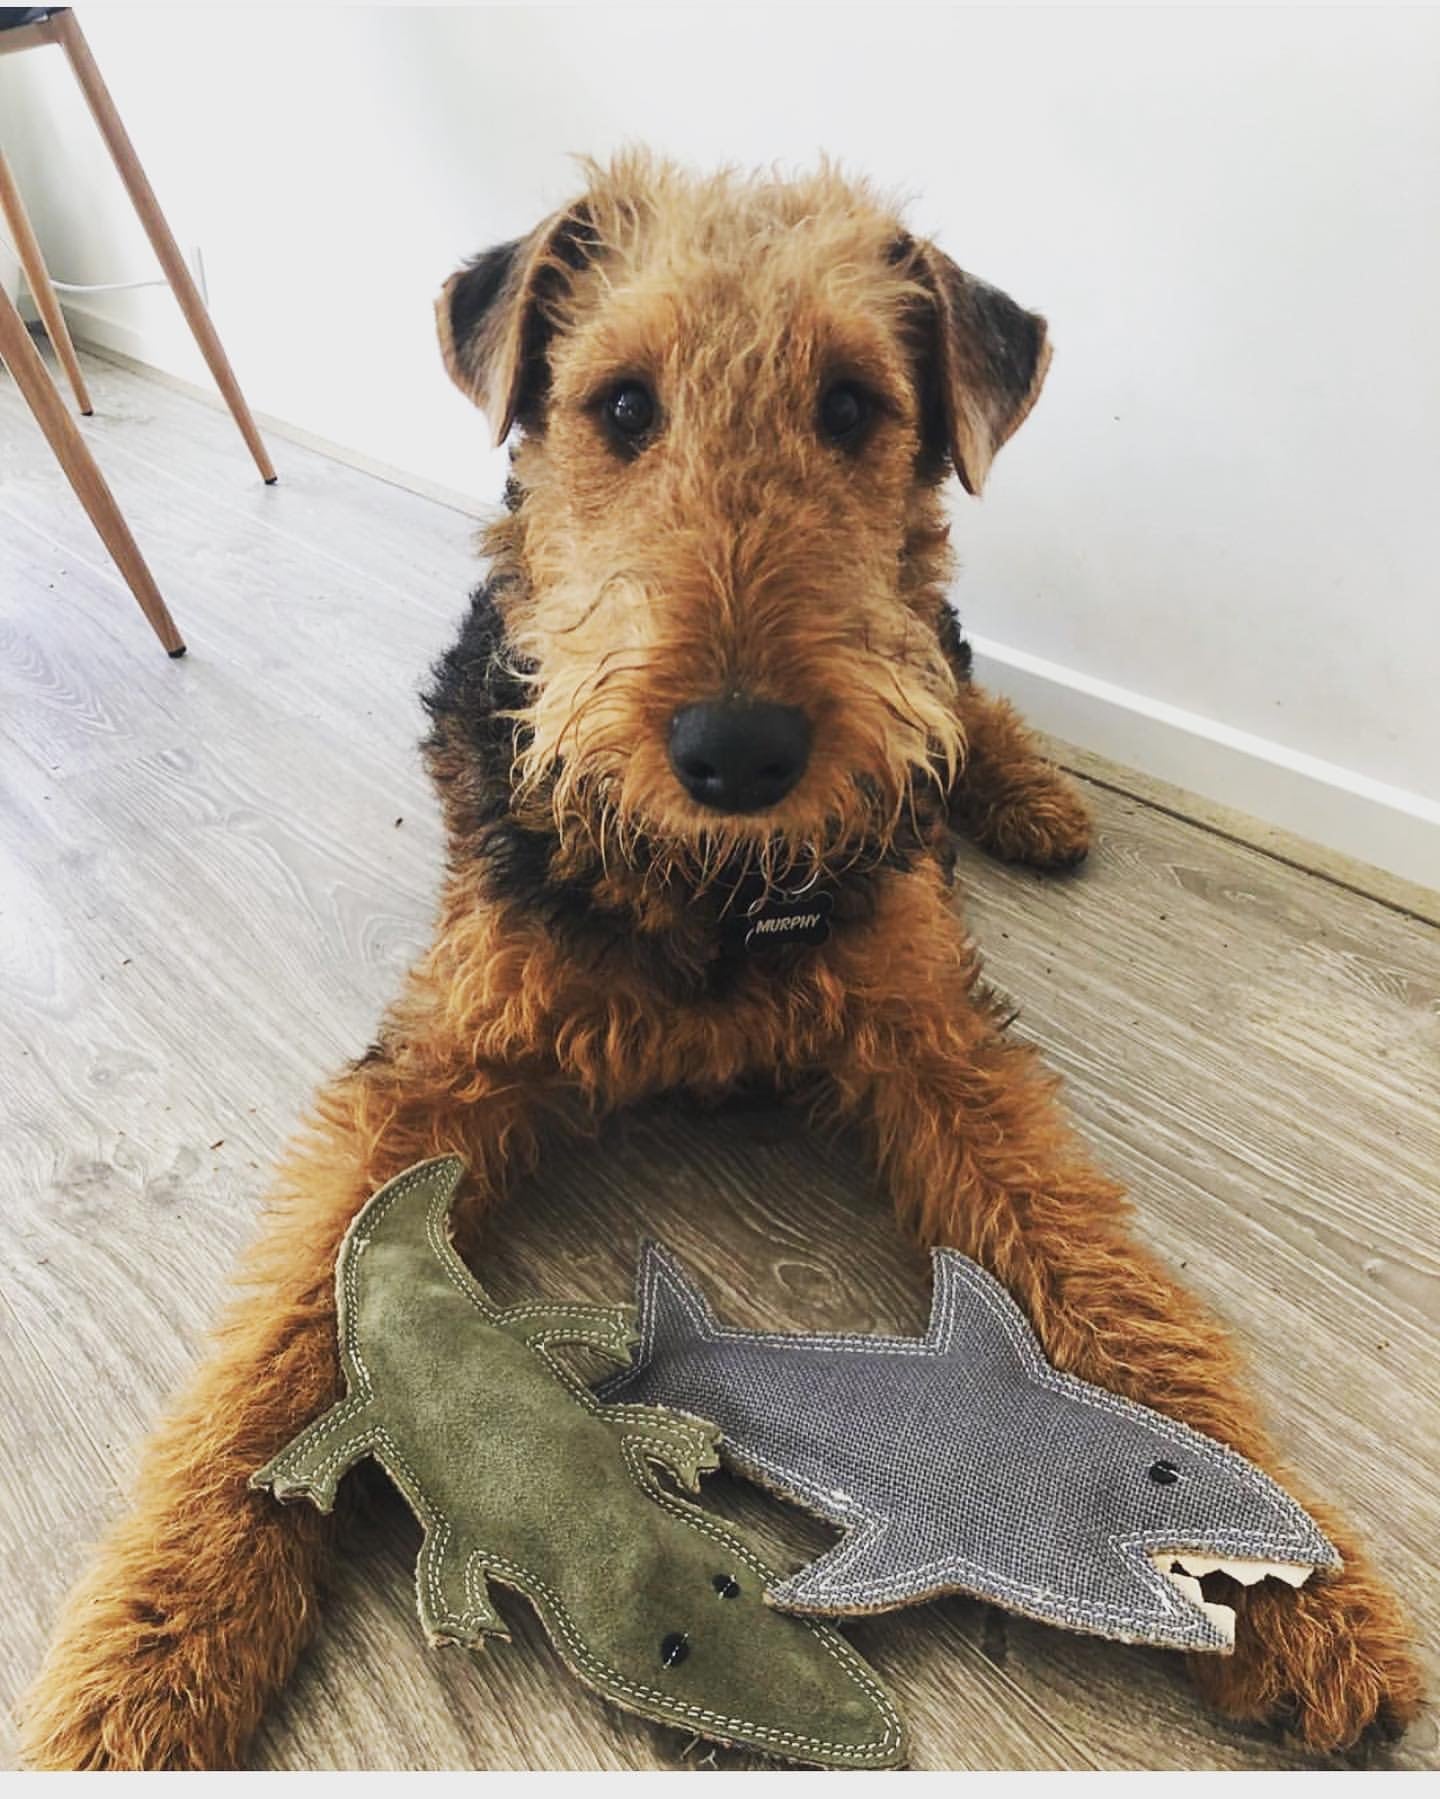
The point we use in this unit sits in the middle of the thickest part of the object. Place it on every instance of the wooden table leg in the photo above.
(68, 35)
(73, 453)
(37, 276)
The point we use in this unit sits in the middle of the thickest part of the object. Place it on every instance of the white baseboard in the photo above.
(93, 329)
(1384, 826)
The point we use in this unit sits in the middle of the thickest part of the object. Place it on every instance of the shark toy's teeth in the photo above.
(1247, 1571)
(1185, 1572)
(1220, 1616)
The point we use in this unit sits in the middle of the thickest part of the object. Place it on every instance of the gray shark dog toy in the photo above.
(962, 1461)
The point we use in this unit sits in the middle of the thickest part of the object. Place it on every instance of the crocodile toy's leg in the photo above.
(978, 1156)
(454, 1599)
(686, 1447)
(609, 1330)
(313, 1466)
(199, 1601)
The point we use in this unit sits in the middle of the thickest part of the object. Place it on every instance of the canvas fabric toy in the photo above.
(961, 1460)
(517, 1475)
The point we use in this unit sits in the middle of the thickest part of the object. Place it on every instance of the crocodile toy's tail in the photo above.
(313, 1465)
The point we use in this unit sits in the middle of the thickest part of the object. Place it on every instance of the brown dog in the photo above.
(698, 748)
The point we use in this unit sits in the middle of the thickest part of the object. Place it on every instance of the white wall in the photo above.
(1224, 506)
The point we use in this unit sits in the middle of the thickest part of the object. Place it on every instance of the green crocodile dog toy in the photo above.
(518, 1475)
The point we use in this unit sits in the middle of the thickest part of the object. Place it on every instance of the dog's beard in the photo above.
(576, 775)
(602, 834)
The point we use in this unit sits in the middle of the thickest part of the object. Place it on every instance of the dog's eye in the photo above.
(630, 410)
(844, 408)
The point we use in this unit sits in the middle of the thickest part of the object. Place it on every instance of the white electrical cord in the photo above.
(104, 287)
(101, 287)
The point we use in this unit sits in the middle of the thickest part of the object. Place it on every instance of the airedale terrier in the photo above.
(699, 748)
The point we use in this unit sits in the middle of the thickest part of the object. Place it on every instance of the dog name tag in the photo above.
(784, 921)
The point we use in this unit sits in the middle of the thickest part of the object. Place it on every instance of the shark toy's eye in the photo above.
(1164, 1474)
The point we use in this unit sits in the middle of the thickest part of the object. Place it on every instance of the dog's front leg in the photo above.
(1009, 797)
(968, 1134)
(198, 1602)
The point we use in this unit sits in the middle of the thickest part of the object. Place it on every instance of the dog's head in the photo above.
(735, 400)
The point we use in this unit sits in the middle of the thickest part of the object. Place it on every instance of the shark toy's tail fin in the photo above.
(669, 1302)
(670, 1309)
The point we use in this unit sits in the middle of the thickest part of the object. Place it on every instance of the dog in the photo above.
(700, 748)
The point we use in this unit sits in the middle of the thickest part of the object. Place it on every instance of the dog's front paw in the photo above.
(133, 1692)
(189, 1619)
(1040, 820)
(1329, 1665)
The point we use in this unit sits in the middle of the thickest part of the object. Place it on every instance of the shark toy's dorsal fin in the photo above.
(971, 1312)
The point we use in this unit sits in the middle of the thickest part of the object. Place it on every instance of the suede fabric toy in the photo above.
(961, 1460)
(517, 1475)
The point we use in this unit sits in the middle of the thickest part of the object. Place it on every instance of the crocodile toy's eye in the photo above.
(1164, 1474)
(726, 1586)
(674, 1648)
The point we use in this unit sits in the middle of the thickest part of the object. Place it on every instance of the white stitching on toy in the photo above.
(444, 1620)
(383, 1447)
(954, 1272)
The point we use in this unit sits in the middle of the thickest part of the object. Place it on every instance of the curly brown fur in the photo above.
(583, 959)
(1011, 800)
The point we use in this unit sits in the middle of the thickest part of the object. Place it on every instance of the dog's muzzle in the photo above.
(739, 755)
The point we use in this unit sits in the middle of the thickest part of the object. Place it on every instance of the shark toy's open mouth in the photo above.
(1185, 1571)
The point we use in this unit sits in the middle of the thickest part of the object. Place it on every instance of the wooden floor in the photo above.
(212, 873)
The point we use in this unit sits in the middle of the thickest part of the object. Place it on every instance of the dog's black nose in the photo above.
(739, 755)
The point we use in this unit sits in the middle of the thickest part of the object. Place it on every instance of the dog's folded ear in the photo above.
(496, 315)
(989, 360)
